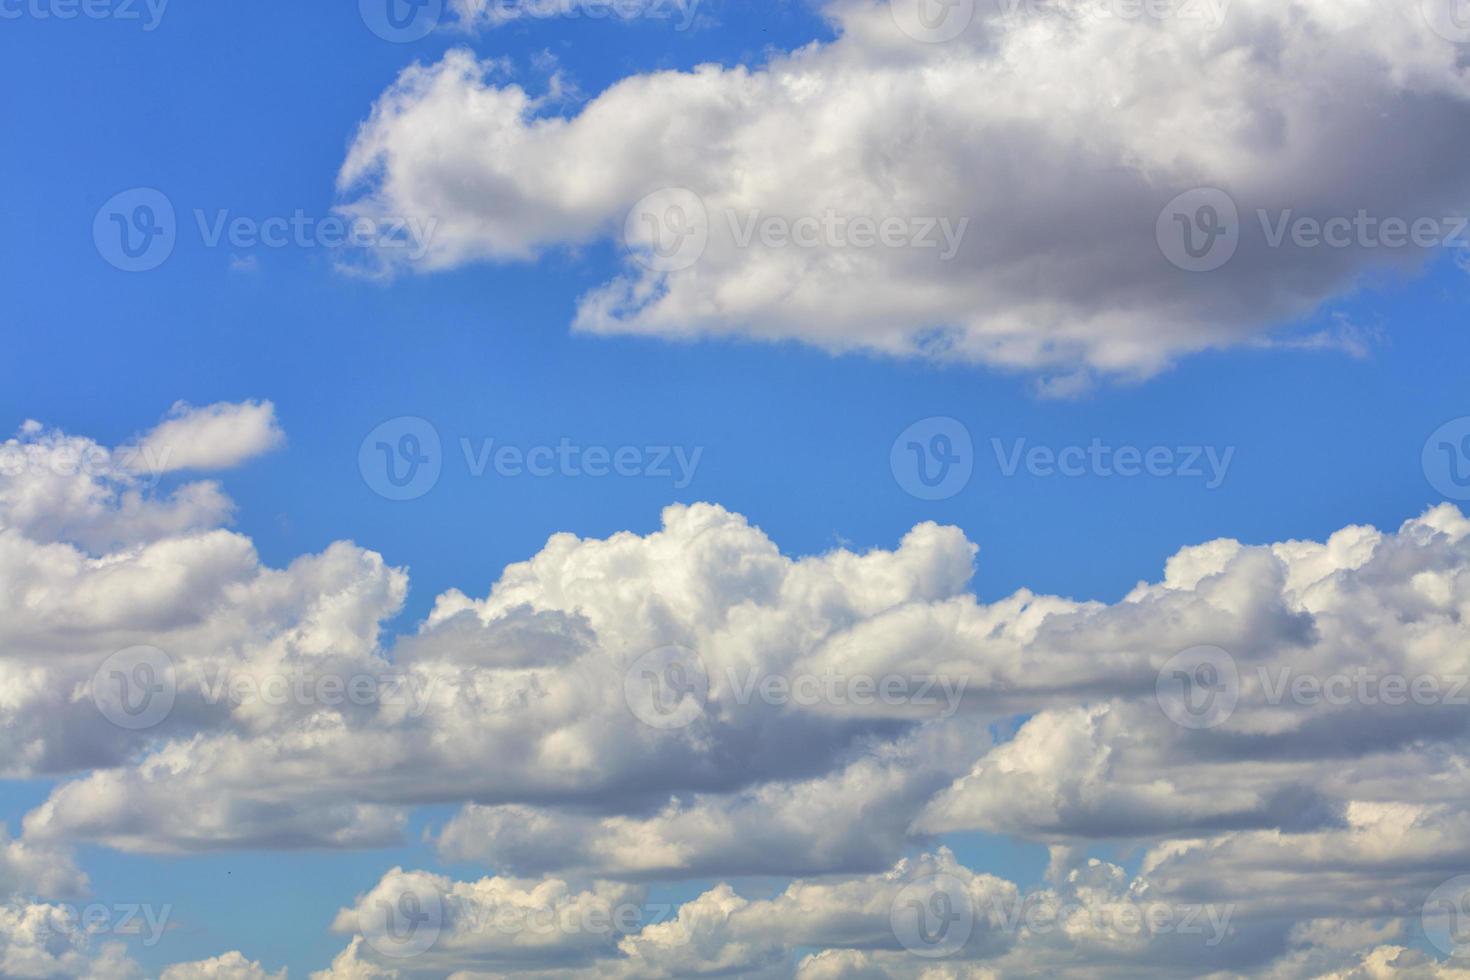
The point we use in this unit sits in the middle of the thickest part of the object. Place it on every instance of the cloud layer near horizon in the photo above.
(1319, 826)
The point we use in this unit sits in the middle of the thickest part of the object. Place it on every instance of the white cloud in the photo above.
(1322, 107)
(1304, 817)
(230, 966)
(215, 437)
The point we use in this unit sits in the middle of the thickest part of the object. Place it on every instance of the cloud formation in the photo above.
(962, 200)
(693, 705)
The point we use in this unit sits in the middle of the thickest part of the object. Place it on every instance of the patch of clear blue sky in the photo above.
(250, 107)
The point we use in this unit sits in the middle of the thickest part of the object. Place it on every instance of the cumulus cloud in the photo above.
(835, 716)
(230, 966)
(42, 941)
(1039, 202)
(216, 437)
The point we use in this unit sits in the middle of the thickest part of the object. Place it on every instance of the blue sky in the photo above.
(252, 108)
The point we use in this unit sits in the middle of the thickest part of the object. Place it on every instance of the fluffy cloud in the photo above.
(40, 941)
(645, 700)
(215, 437)
(230, 966)
(1041, 198)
